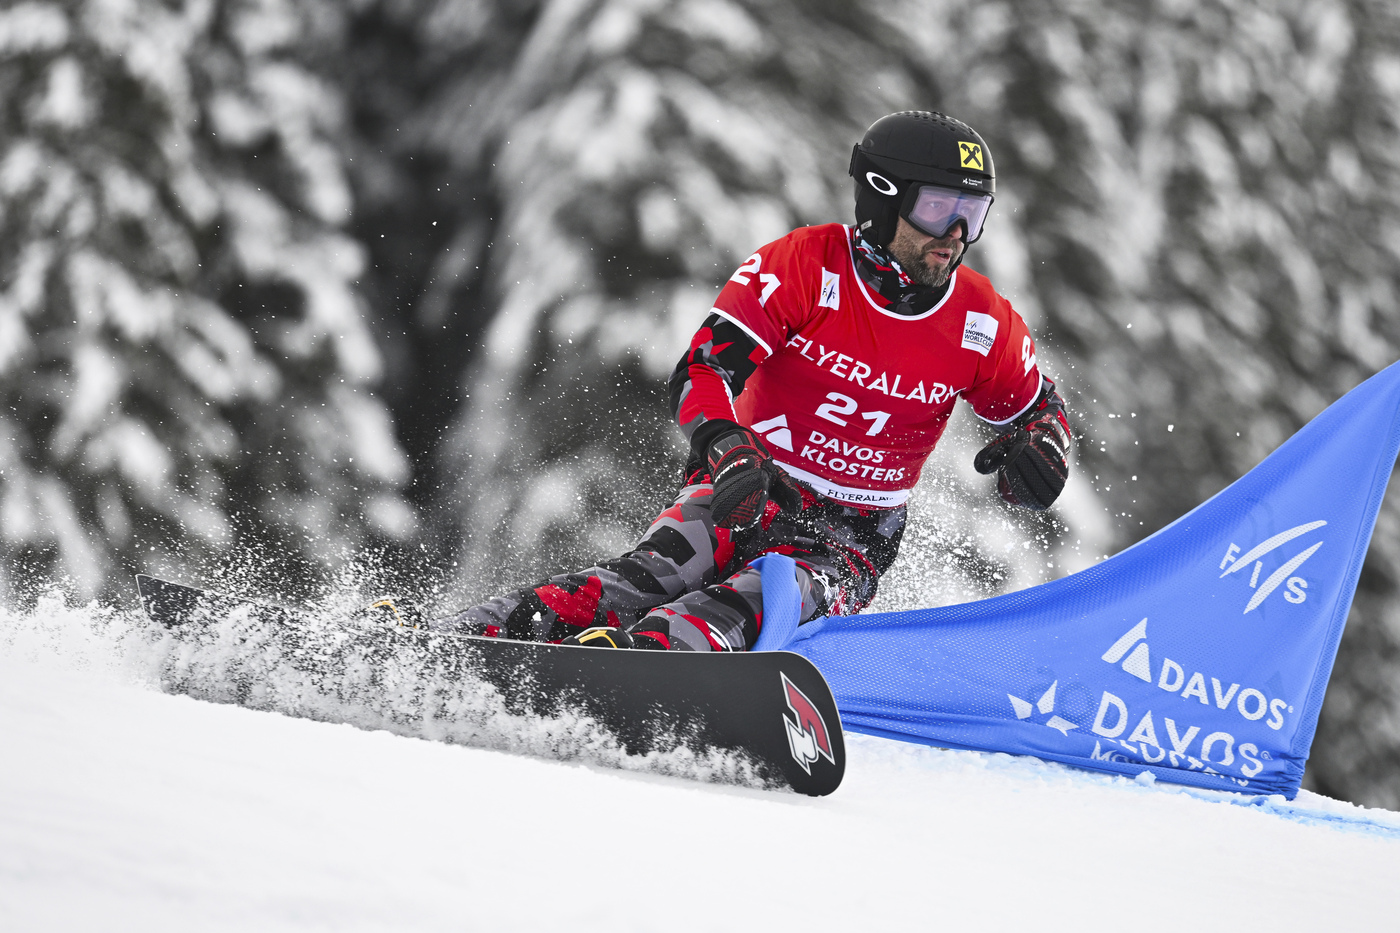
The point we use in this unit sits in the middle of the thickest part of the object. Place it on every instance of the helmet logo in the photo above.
(881, 184)
(971, 156)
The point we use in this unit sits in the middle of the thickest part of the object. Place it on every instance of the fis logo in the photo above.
(1045, 705)
(1295, 586)
(807, 735)
(830, 296)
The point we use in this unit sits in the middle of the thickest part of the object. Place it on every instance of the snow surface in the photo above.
(124, 808)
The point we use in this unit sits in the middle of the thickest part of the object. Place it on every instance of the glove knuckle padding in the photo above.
(1005, 449)
(743, 476)
(1040, 471)
(739, 499)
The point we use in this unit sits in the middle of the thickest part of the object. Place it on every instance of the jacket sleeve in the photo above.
(712, 373)
(1008, 382)
(757, 311)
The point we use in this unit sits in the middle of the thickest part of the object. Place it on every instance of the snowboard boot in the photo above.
(601, 636)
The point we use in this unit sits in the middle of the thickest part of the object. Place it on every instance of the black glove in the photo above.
(1030, 458)
(745, 478)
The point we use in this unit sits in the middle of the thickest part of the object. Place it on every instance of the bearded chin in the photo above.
(928, 276)
(916, 265)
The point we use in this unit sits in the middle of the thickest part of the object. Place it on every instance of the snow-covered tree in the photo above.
(1208, 192)
(183, 365)
(426, 203)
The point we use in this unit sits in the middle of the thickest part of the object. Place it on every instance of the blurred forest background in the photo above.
(294, 286)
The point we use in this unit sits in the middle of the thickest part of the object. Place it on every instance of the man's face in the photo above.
(926, 259)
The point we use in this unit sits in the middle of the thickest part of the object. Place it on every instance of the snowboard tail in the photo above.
(772, 707)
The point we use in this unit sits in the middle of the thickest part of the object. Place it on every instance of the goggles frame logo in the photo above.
(970, 156)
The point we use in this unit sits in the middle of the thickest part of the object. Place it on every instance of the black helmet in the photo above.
(905, 153)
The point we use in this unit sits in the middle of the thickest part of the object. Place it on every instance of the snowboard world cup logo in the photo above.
(807, 735)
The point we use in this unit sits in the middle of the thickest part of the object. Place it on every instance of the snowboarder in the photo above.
(811, 397)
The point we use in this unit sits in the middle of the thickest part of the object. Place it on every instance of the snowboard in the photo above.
(773, 707)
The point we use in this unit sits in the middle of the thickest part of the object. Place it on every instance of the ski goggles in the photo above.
(935, 210)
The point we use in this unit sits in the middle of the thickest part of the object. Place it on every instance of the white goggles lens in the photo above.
(937, 210)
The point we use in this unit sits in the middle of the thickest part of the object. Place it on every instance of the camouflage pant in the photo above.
(690, 583)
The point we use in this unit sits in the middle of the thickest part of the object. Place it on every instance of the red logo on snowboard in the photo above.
(807, 737)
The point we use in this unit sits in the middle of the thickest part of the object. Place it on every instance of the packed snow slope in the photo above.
(125, 808)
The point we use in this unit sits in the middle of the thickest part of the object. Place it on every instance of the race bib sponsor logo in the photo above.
(831, 291)
(775, 431)
(861, 373)
(850, 459)
(979, 332)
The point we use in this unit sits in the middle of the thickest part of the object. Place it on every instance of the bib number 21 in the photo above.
(838, 405)
(750, 267)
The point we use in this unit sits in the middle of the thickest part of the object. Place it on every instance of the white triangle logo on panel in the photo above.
(781, 437)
